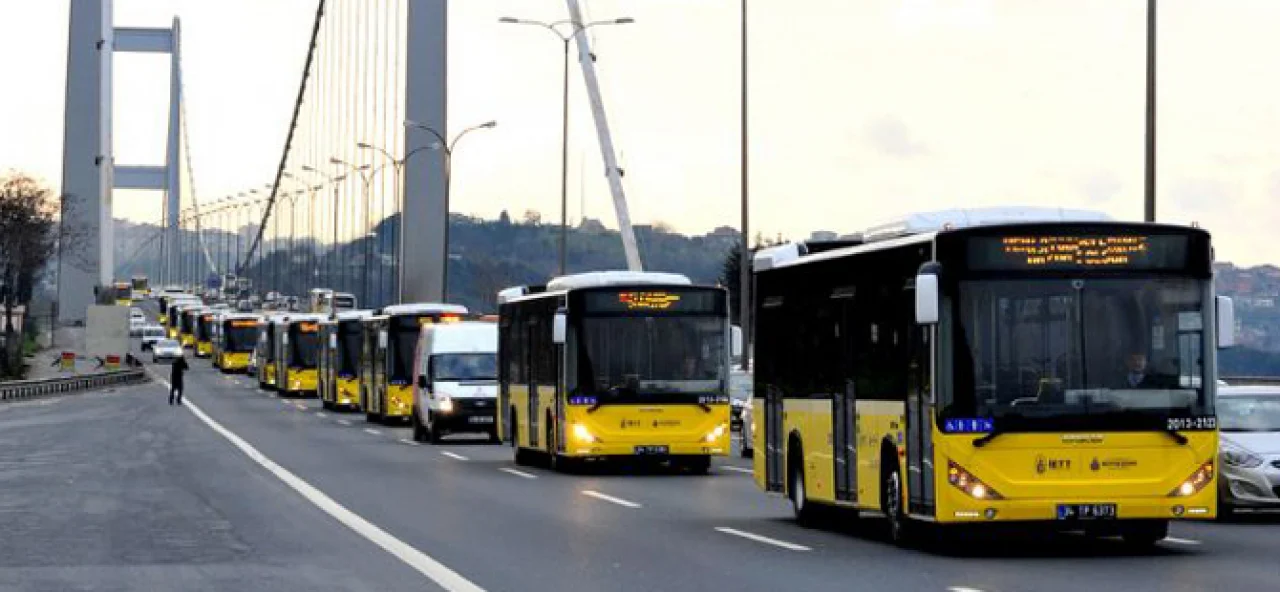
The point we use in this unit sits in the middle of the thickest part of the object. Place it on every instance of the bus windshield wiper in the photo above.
(987, 438)
(1179, 438)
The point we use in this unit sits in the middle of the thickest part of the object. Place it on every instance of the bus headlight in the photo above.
(446, 405)
(1195, 482)
(582, 434)
(715, 434)
(962, 479)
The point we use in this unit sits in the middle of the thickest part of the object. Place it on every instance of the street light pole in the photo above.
(744, 247)
(575, 28)
(365, 179)
(1150, 179)
(448, 148)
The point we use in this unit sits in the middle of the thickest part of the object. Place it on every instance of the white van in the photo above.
(455, 380)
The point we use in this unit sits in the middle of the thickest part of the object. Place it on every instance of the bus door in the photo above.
(919, 430)
(531, 336)
(773, 445)
(844, 445)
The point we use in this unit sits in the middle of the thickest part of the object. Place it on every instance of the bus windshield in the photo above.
(403, 343)
(1051, 354)
(239, 339)
(349, 342)
(651, 359)
(464, 367)
(304, 349)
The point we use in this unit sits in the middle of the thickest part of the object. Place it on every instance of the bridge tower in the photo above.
(89, 172)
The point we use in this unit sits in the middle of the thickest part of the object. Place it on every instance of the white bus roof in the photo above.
(594, 279)
(353, 315)
(424, 308)
(923, 227)
(239, 316)
(303, 317)
(922, 222)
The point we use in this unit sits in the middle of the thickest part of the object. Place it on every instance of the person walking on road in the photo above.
(175, 378)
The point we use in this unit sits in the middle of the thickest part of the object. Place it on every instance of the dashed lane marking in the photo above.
(408, 441)
(762, 539)
(372, 431)
(453, 455)
(518, 473)
(610, 499)
(423, 563)
(737, 469)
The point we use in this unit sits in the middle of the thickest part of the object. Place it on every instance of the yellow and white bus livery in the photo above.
(1035, 366)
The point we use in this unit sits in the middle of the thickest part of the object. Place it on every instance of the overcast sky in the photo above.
(860, 110)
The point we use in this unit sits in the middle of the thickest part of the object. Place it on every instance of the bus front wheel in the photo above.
(891, 504)
(806, 514)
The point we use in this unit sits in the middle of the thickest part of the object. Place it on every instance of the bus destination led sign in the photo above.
(1078, 252)
(648, 300)
(308, 327)
(244, 323)
(1084, 251)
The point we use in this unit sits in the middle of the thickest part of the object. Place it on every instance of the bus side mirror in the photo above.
(735, 341)
(558, 329)
(333, 341)
(927, 299)
(382, 340)
(1226, 326)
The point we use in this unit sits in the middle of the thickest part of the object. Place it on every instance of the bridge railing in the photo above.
(30, 389)
(1252, 380)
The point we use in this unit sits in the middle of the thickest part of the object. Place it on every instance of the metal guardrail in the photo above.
(30, 389)
(1252, 380)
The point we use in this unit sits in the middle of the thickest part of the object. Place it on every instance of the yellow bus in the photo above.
(615, 364)
(123, 293)
(297, 354)
(267, 349)
(339, 370)
(173, 318)
(140, 286)
(1042, 367)
(387, 357)
(204, 333)
(236, 336)
(188, 322)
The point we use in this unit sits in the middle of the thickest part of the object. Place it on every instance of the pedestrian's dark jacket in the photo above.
(177, 370)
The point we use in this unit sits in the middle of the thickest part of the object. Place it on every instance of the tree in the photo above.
(504, 218)
(28, 239)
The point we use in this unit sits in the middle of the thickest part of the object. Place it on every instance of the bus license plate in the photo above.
(1086, 511)
(481, 419)
(651, 449)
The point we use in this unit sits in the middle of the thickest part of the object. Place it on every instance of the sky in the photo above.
(859, 111)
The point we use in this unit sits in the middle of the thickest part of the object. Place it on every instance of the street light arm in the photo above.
(485, 125)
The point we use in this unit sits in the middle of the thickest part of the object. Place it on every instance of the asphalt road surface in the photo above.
(120, 491)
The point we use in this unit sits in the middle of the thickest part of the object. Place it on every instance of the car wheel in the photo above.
(419, 433)
(433, 432)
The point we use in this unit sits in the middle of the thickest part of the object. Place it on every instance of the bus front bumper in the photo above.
(1059, 512)
(235, 362)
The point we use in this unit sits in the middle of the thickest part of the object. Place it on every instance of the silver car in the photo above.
(166, 350)
(1249, 440)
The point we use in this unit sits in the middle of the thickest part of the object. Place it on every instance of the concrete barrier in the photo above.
(30, 389)
(1252, 380)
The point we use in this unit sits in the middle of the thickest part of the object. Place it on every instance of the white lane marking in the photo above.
(425, 564)
(453, 455)
(762, 539)
(372, 431)
(409, 442)
(321, 414)
(737, 469)
(300, 406)
(962, 589)
(610, 498)
(518, 473)
(344, 422)
(1178, 541)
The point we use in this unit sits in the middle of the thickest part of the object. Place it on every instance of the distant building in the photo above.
(592, 226)
(822, 235)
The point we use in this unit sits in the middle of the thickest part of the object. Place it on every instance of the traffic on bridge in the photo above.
(370, 390)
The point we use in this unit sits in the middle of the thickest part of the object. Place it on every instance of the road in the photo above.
(128, 493)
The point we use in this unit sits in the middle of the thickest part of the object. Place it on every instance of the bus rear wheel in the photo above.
(806, 514)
